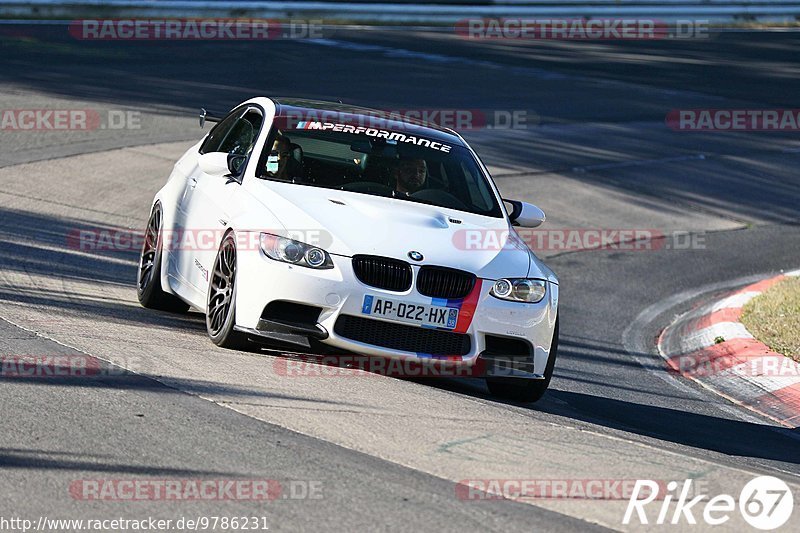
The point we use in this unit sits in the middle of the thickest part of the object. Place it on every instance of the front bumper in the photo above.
(338, 292)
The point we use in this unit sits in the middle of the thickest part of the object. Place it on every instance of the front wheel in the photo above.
(221, 305)
(148, 287)
(526, 390)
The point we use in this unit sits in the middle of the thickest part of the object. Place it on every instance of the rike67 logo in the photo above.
(765, 503)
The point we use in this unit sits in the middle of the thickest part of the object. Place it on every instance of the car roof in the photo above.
(299, 107)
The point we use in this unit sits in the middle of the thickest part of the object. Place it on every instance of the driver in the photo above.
(409, 175)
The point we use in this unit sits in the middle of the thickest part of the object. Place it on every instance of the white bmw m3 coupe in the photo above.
(320, 224)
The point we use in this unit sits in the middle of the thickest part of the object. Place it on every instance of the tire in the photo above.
(221, 303)
(148, 283)
(526, 390)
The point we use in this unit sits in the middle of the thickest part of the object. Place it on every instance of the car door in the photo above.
(207, 217)
(181, 258)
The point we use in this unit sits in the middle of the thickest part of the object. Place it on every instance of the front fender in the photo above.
(169, 196)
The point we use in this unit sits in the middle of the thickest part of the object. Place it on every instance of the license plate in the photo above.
(421, 314)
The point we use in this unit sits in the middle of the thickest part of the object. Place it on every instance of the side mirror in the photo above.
(214, 164)
(221, 164)
(525, 214)
(205, 117)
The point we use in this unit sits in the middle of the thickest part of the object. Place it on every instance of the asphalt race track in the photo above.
(386, 453)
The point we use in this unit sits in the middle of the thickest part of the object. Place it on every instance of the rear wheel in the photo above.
(148, 287)
(221, 305)
(526, 390)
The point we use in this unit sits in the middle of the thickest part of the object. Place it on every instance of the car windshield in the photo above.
(405, 164)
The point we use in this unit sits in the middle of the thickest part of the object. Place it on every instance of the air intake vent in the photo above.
(441, 282)
(383, 272)
(402, 337)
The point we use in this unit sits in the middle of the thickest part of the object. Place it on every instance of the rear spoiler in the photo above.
(205, 117)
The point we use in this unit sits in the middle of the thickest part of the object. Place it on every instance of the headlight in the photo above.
(519, 290)
(294, 252)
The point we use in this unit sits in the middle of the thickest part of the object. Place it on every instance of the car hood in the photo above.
(347, 223)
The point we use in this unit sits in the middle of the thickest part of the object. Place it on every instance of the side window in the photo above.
(242, 136)
(218, 134)
(236, 133)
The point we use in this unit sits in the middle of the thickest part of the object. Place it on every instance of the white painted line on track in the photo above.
(750, 386)
(638, 345)
(735, 301)
(708, 336)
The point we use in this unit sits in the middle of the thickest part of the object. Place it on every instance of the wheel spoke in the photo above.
(220, 296)
(216, 318)
(149, 250)
(146, 272)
